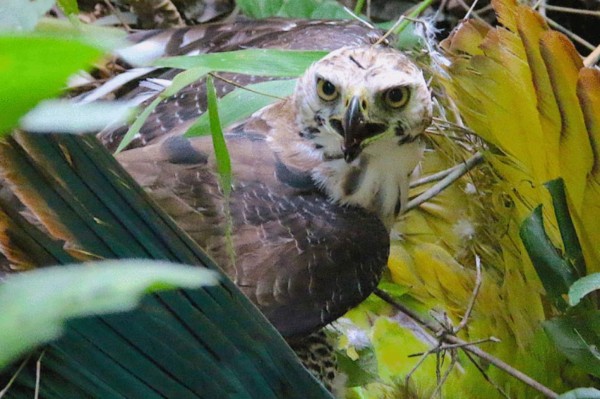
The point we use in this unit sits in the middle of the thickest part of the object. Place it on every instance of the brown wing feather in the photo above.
(301, 259)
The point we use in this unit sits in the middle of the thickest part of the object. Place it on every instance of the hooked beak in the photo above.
(356, 129)
(353, 124)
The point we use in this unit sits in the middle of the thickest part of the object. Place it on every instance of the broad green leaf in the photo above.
(36, 68)
(259, 8)
(582, 287)
(242, 103)
(64, 116)
(297, 9)
(581, 393)
(22, 15)
(330, 10)
(68, 6)
(578, 338)
(568, 234)
(554, 272)
(35, 304)
(357, 371)
(269, 62)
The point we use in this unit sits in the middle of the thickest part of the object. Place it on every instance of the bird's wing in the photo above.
(301, 258)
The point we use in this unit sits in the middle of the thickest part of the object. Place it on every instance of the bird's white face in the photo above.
(355, 97)
(360, 112)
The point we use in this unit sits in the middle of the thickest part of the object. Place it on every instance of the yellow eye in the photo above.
(326, 90)
(397, 97)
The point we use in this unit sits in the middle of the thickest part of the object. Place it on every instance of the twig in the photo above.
(485, 376)
(453, 176)
(389, 31)
(440, 348)
(239, 86)
(13, 378)
(433, 177)
(118, 15)
(38, 375)
(470, 11)
(572, 35)
(468, 347)
(593, 58)
(478, 281)
(443, 379)
(573, 10)
(416, 366)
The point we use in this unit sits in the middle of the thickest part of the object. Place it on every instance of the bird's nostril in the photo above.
(363, 105)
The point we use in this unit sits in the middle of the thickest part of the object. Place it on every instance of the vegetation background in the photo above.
(490, 278)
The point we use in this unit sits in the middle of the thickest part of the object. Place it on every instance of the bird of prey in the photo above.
(318, 178)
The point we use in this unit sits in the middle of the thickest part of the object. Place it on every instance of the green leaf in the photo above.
(582, 287)
(259, 8)
(68, 6)
(35, 304)
(581, 393)
(242, 103)
(261, 62)
(36, 68)
(330, 10)
(578, 338)
(565, 225)
(358, 370)
(221, 153)
(56, 116)
(554, 272)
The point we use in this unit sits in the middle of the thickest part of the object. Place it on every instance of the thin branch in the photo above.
(446, 181)
(421, 360)
(478, 281)
(592, 58)
(445, 347)
(239, 86)
(468, 347)
(572, 35)
(38, 375)
(433, 177)
(119, 15)
(470, 11)
(485, 376)
(573, 10)
(443, 379)
(13, 378)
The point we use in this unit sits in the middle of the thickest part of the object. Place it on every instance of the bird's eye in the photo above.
(397, 97)
(326, 90)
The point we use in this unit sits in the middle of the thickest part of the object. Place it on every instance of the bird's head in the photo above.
(355, 97)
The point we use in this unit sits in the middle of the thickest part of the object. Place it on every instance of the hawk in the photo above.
(318, 178)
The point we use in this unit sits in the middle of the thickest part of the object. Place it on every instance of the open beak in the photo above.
(356, 129)
(353, 124)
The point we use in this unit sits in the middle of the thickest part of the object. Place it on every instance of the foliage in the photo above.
(36, 304)
(28, 81)
(36, 65)
(536, 109)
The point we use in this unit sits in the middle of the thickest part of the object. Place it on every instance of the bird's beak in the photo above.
(354, 126)
(356, 129)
